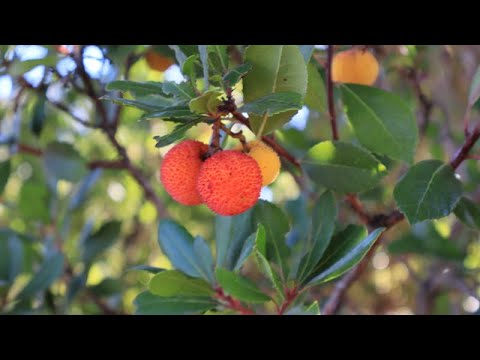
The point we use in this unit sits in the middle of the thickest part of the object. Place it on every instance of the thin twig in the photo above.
(331, 103)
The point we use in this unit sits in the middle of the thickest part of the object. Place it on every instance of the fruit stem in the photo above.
(236, 135)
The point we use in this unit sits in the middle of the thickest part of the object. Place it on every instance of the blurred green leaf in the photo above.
(148, 304)
(38, 116)
(149, 103)
(62, 161)
(247, 249)
(345, 251)
(202, 50)
(274, 104)
(429, 190)
(206, 103)
(34, 200)
(316, 97)
(204, 258)
(232, 77)
(240, 287)
(107, 287)
(147, 268)
(343, 167)
(474, 93)
(313, 309)
(11, 256)
(81, 192)
(188, 68)
(5, 169)
(382, 121)
(177, 243)
(50, 270)
(174, 283)
(275, 68)
(137, 89)
(231, 232)
(468, 212)
(219, 57)
(178, 133)
(276, 226)
(323, 224)
(101, 240)
(75, 285)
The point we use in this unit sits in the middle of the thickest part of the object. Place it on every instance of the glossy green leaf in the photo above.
(345, 251)
(219, 57)
(182, 91)
(171, 112)
(206, 103)
(177, 243)
(11, 256)
(147, 268)
(101, 240)
(276, 226)
(231, 232)
(232, 77)
(188, 68)
(382, 121)
(136, 88)
(270, 273)
(275, 68)
(316, 97)
(178, 133)
(174, 283)
(247, 250)
(323, 224)
(62, 161)
(343, 167)
(204, 258)
(274, 104)
(429, 190)
(148, 304)
(5, 169)
(240, 287)
(50, 270)
(468, 212)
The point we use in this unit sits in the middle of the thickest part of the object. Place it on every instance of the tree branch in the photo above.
(331, 103)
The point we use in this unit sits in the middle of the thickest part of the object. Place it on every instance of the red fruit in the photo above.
(229, 182)
(179, 171)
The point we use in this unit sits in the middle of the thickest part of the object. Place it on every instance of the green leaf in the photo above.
(231, 232)
(247, 250)
(382, 121)
(316, 97)
(261, 240)
(137, 89)
(38, 116)
(5, 169)
(62, 161)
(177, 243)
(107, 287)
(274, 104)
(34, 210)
(182, 92)
(468, 212)
(50, 270)
(174, 283)
(188, 68)
(271, 274)
(276, 226)
(178, 133)
(148, 304)
(206, 103)
(345, 251)
(424, 239)
(312, 309)
(240, 287)
(11, 256)
(275, 68)
(323, 224)
(202, 50)
(204, 258)
(307, 51)
(82, 190)
(171, 112)
(219, 56)
(233, 76)
(429, 190)
(474, 93)
(100, 241)
(149, 103)
(343, 167)
(147, 268)
(180, 54)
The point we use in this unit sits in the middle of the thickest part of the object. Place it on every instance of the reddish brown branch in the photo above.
(331, 102)
(290, 296)
(281, 151)
(27, 149)
(107, 164)
(358, 208)
(463, 152)
(232, 303)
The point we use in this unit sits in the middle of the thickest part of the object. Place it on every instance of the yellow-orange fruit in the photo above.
(229, 182)
(267, 160)
(179, 171)
(158, 61)
(355, 66)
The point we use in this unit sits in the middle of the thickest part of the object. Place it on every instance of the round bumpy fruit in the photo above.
(355, 66)
(158, 61)
(229, 182)
(179, 171)
(267, 160)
